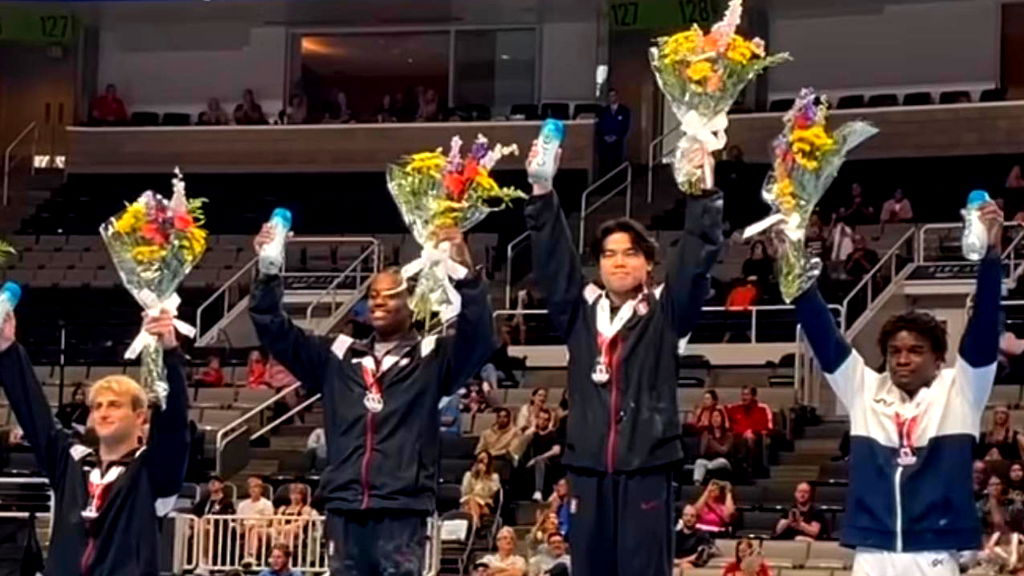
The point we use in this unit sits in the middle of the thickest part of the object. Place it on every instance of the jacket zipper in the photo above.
(367, 455)
(899, 509)
(613, 415)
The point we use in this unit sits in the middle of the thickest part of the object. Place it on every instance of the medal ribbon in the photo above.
(906, 427)
(369, 365)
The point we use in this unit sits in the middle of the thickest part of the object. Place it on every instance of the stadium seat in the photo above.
(527, 111)
(955, 97)
(758, 524)
(781, 105)
(176, 119)
(214, 397)
(785, 554)
(555, 110)
(993, 95)
(586, 109)
(144, 119)
(883, 100)
(918, 99)
(829, 555)
(850, 101)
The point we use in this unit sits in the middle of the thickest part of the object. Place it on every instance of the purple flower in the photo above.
(479, 148)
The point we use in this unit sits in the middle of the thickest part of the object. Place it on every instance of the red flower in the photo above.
(154, 233)
(456, 185)
(183, 222)
(471, 170)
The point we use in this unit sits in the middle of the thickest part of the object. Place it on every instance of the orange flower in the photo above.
(183, 222)
(154, 233)
(714, 82)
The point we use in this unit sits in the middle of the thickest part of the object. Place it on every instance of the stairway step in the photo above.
(794, 472)
(816, 445)
(831, 430)
(802, 459)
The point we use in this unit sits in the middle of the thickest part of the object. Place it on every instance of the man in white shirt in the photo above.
(542, 563)
(897, 209)
(316, 451)
(254, 530)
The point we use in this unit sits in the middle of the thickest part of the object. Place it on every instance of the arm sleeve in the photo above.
(687, 279)
(979, 346)
(555, 262)
(303, 355)
(168, 445)
(49, 441)
(842, 366)
(473, 342)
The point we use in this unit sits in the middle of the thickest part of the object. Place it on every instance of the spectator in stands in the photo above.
(108, 109)
(841, 240)
(289, 527)
(701, 418)
(215, 502)
(316, 451)
(297, 111)
(451, 415)
(716, 507)
(74, 415)
(385, 114)
(212, 375)
(254, 531)
(1002, 436)
(751, 423)
(337, 110)
(280, 562)
(547, 523)
(979, 480)
(249, 112)
(1015, 483)
(857, 211)
(759, 265)
(555, 553)
(543, 448)
(505, 562)
(476, 400)
(862, 260)
(278, 376)
(803, 521)
(256, 370)
(1015, 180)
(479, 486)
(715, 448)
(816, 237)
(743, 296)
(897, 209)
(214, 115)
(748, 562)
(502, 439)
(560, 504)
(694, 547)
(500, 368)
(613, 124)
(428, 111)
(997, 512)
(526, 418)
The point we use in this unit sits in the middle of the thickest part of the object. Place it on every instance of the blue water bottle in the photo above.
(271, 259)
(10, 293)
(974, 242)
(541, 171)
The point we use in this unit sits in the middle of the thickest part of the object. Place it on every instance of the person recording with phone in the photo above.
(716, 507)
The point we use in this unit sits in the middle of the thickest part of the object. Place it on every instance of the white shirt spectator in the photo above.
(897, 211)
(317, 441)
(262, 507)
(542, 562)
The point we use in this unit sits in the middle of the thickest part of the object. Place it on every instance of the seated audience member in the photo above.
(701, 417)
(1015, 483)
(211, 376)
(857, 211)
(715, 507)
(997, 512)
(280, 562)
(862, 260)
(979, 480)
(249, 112)
(694, 547)
(555, 553)
(748, 562)
(560, 504)
(841, 241)
(476, 399)
(547, 522)
(385, 114)
(316, 451)
(297, 111)
(500, 370)
(337, 110)
(803, 521)
(743, 295)
(214, 115)
(897, 209)
(451, 415)
(292, 517)
(215, 501)
(108, 109)
(502, 439)
(759, 265)
(543, 446)
(74, 415)
(715, 448)
(254, 530)
(751, 422)
(428, 111)
(1001, 436)
(479, 486)
(256, 370)
(816, 237)
(526, 418)
(505, 562)
(278, 376)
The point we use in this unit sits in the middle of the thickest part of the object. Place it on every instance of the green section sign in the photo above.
(35, 26)
(663, 14)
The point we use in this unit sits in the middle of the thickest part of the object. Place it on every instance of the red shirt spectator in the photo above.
(743, 296)
(257, 370)
(108, 108)
(750, 415)
(211, 376)
(748, 561)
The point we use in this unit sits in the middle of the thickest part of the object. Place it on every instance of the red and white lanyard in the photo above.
(906, 426)
(607, 330)
(374, 400)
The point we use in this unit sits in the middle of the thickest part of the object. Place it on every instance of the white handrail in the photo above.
(584, 209)
(237, 426)
(946, 226)
(651, 163)
(223, 289)
(513, 247)
(299, 408)
(867, 280)
(329, 292)
(10, 148)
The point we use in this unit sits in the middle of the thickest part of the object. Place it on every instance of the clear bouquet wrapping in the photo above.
(154, 243)
(436, 192)
(702, 75)
(806, 158)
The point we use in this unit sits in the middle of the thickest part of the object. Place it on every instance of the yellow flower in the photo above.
(699, 70)
(809, 145)
(682, 45)
(430, 162)
(485, 182)
(739, 50)
(148, 254)
(131, 220)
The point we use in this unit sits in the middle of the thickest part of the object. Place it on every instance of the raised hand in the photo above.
(7, 331)
(540, 188)
(457, 245)
(161, 326)
(993, 218)
(263, 238)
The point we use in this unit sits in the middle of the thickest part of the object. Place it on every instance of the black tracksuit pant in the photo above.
(613, 516)
(376, 543)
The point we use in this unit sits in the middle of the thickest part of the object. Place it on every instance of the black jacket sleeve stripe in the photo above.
(473, 342)
(303, 355)
(687, 278)
(555, 261)
(48, 440)
(167, 447)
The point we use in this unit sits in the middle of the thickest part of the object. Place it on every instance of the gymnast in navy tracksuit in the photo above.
(381, 420)
(910, 506)
(624, 341)
(106, 506)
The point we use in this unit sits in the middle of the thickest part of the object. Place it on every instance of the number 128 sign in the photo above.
(662, 14)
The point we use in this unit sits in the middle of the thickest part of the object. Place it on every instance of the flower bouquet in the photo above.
(702, 74)
(807, 158)
(435, 192)
(154, 244)
(7, 252)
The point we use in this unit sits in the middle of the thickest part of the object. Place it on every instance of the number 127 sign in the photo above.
(662, 14)
(26, 26)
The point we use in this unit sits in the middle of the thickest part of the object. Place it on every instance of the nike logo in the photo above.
(649, 505)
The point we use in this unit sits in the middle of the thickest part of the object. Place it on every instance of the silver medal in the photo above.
(374, 402)
(600, 374)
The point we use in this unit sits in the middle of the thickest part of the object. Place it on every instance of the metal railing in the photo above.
(228, 433)
(330, 295)
(8, 153)
(652, 162)
(228, 294)
(944, 230)
(585, 210)
(889, 262)
(510, 252)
